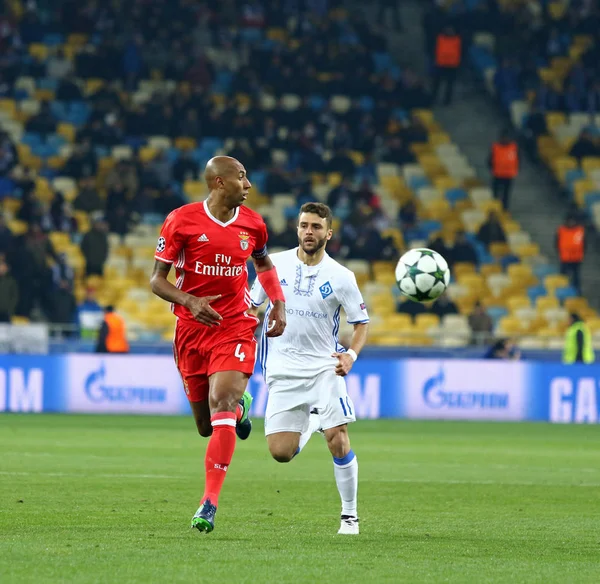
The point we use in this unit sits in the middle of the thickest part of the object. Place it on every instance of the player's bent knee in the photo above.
(205, 431)
(282, 450)
(281, 456)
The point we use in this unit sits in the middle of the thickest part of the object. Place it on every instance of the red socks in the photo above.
(219, 454)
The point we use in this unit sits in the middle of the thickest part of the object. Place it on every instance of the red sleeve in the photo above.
(170, 242)
(260, 248)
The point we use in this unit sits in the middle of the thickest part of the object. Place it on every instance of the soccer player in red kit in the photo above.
(214, 345)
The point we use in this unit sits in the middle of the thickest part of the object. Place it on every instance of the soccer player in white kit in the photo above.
(305, 367)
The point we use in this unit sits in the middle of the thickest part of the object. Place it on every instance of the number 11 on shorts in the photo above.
(238, 352)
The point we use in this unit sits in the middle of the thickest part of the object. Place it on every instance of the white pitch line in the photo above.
(403, 480)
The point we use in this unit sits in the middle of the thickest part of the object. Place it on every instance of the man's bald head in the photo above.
(221, 166)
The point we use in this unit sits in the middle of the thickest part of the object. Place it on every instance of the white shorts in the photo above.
(290, 402)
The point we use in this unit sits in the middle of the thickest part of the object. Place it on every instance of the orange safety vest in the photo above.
(116, 341)
(570, 243)
(448, 51)
(505, 160)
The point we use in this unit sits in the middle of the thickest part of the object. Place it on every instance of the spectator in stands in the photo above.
(6, 236)
(185, 168)
(62, 272)
(68, 90)
(32, 253)
(8, 155)
(578, 342)
(462, 251)
(481, 324)
(546, 98)
(584, 146)
(341, 199)
(534, 127)
(384, 9)
(58, 66)
(43, 122)
(408, 306)
(491, 230)
(168, 200)
(503, 162)
(444, 305)
(288, 238)
(89, 314)
(570, 245)
(9, 291)
(120, 220)
(64, 308)
(94, 247)
(408, 215)
(88, 199)
(505, 349)
(395, 151)
(448, 57)
(83, 163)
(112, 336)
(439, 244)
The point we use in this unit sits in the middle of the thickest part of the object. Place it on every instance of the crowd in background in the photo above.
(217, 49)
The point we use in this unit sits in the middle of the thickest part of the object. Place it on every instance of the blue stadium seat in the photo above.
(573, 175)
(135, 142)
(367, 103)
(173, 154)
(382, 62)
(251, 35)
(429, 227)
(31, 139)
(7, 187)
(454, 195)
(53, 39)
(535, 292)
(509, 259)
(496, 313)
(416, 182)
(101, 151)
(47, 83)
(49, 173)
(290, 212)
(259, 179)
(211, 144)
(21, 94)
(56, 140)
(590, 200)
(45, 150)
(317, 102)
(540, 271)
(567, 292)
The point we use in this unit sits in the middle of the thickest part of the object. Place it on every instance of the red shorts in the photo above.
(201, 351)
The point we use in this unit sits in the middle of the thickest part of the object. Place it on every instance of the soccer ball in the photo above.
(422, 274)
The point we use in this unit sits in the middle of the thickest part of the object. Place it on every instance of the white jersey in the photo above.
(314, 297)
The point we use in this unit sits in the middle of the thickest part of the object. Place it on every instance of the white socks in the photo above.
(346, 477)
(314, 422)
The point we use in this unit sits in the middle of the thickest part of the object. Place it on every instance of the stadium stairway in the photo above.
(474, 123)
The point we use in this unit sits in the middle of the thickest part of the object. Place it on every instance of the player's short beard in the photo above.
(320, 245)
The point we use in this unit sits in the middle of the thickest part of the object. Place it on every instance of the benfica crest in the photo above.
(244, 237)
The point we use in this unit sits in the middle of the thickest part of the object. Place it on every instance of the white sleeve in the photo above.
(257, 293)
(352, 301)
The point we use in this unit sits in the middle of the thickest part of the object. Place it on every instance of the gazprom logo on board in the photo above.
(436, 396)
(99, 391)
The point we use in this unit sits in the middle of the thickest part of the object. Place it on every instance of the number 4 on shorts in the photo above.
(238, 352)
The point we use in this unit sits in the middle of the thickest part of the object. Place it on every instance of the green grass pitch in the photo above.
(109, 499)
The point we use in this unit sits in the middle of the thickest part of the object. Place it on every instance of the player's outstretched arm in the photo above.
(199, 307)
(269, 280)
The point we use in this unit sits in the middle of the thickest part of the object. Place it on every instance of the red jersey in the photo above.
(210, 256)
